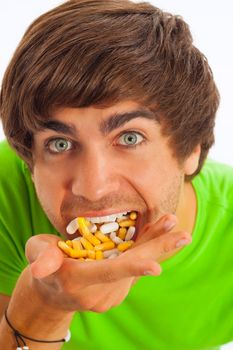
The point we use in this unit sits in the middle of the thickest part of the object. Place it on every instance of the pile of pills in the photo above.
(99, 240)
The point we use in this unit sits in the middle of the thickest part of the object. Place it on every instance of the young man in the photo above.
(108, 107)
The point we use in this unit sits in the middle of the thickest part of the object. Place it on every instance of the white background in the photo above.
(212, 28)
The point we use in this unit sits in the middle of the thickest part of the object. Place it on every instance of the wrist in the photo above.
(22, 339)
(33, 315)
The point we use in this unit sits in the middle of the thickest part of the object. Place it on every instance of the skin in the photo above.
(97, 178)
(107, 176)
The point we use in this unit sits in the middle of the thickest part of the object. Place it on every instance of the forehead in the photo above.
(99, 111)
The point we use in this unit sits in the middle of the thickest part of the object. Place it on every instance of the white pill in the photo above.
(77, 238)
(130, 233)
(92, 228)
(112, 235)
(117, 240)
(107, 228)
(114, 255)
(107, 253)
(72, 227)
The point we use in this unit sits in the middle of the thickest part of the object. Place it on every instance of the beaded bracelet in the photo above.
(20, 337)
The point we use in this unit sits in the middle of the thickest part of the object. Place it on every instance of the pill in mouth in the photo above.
(101, 237)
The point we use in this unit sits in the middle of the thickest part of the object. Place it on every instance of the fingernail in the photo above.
(156, 272)
(182, 242)
(168, 225)
(148, 273)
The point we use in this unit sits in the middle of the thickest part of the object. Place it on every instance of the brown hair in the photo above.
(99, 52)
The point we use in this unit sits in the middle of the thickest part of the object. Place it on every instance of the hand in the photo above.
(72, 285)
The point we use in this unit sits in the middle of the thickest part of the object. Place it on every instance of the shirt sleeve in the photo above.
(14, 219)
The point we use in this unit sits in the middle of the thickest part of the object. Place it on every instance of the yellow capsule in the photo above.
(78, 253)
(86, 244)
(124, 246)
(83, 226)
(127, 223)
(92, 239)
(133, 215)
(122, 233)
(91, 254)
(105, 246)
(99, 255)
(103, 238)
(81, 259)
(69, 243)
(64, 247)
(77, 245)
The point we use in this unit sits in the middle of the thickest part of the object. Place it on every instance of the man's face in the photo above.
(104, 161)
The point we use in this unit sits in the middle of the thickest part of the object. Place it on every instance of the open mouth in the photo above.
(112, 234)
(123, 219)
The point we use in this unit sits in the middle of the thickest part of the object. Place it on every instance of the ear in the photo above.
(191, 163)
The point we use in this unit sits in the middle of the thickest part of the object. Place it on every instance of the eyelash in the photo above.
(74, 144)
(53, 139)
(132, 132)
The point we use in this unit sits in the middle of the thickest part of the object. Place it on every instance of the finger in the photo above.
(156, 248)
(108, 271)
(44, 255)
(152, 230)
(136, 262)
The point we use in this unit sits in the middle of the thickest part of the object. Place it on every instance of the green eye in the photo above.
(59, 145)
(130, 139)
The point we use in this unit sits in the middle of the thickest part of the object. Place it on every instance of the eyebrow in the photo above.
(106, 126)
(119, 119)
(59, 127)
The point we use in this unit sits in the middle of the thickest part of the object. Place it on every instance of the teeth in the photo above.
(107, 218)
(73, 225)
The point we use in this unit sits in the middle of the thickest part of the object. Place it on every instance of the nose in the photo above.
(95, 176)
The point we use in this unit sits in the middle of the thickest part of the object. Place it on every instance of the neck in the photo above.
(187, 209)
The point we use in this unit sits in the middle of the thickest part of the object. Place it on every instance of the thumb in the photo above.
(43, 255)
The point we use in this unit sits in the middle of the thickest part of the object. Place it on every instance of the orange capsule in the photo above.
(92, 239)
(99, 255)
(103, 238)
(83, 226)
(127, 223)
(122, 233)
(133, 215)
(76, 254)
(69, 243)
(124, 246)
(91, 254)
(64, 247)
(86, 244)
(105, 246)
(77, 244)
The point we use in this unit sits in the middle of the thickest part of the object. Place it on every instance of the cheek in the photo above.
(157, 177)
(49, 187)
(151, 171)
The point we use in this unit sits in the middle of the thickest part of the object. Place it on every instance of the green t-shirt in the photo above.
(189, 306)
